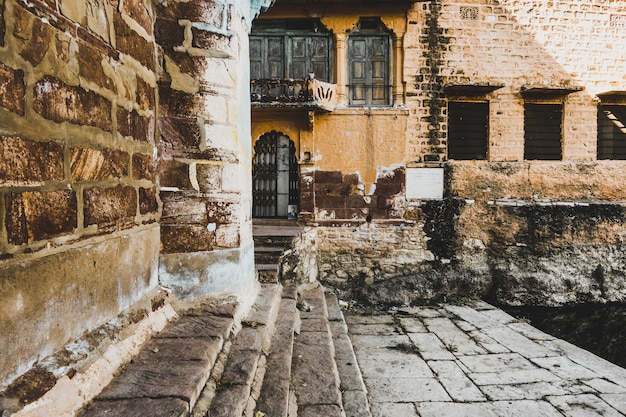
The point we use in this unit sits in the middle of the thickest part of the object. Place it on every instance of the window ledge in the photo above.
(544, 90)
(470, 89)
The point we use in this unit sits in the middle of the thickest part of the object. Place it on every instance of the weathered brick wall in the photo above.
(512, 43)
(78, 196)
(547, 232)
(204, 147)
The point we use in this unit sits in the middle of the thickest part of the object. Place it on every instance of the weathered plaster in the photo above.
(51, 299)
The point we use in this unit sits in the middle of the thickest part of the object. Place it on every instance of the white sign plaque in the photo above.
(424, 183)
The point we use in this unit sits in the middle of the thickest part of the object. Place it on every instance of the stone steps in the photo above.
(272, 238)
(289, 357)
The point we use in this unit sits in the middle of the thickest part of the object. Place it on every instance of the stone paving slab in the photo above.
(160, 407)
(395, 390)
(478, 361)
(315, 378)
(394, 410)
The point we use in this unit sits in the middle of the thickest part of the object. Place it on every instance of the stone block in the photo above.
(90, 65)
(228, 236)
(145, 95)
(131, 123)
(136, 10)
(395, 390)
(143, 167)
(328, 177)
(168, 32)
(12, 89)
(327, 410)
(209, 12)
(59, 102)
(330, 201)
(25, 162)
(38, 41)
(130, 43)
(340, 188)
(94, 164)
(180, 136)
(110, 208)
(209, 40)
(186, 238)
(204, 327)
(223, 212)
(33, 216)
(159, 407)
(240, 368)
(230, 401)
(148, 200)
(183, 209)
(209, 177)
(173, 173)
(153, 379)
(183, 349)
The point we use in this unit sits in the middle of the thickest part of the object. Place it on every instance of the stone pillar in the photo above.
(398, 73)
(341, 69)
(205, 148)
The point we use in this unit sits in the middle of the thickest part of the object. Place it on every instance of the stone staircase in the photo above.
(289, 357)
(272, 237)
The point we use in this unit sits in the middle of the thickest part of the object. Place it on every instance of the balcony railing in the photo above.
(308, 93)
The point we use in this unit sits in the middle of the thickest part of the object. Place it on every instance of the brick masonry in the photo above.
(510, 43)
(78, 164)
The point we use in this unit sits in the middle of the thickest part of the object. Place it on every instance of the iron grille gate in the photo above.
(275, 179)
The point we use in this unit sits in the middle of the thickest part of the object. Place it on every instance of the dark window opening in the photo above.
(543, 131)
(368, 67)
(612, 132)
(468, 130)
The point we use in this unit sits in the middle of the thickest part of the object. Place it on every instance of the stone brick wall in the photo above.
(78, 194)
(124, 148)
(511, 43)
(204, 146)
(515, 231)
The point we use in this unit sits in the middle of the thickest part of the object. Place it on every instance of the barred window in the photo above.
(543, 131)
(468, 130)
(612, 132)
(368, 52)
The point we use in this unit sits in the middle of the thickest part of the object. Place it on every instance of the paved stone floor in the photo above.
(478, 361)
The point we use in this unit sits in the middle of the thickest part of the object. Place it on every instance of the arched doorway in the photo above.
(275, 179)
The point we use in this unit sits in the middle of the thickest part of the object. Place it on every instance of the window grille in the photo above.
(543, 131)
(612, 132)
(468, 130)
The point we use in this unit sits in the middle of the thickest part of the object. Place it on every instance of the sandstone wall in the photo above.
(514, 231)
(78, 194)
(124, 153)
(204, 147)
